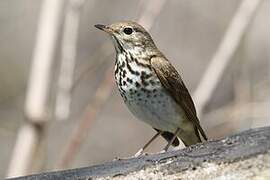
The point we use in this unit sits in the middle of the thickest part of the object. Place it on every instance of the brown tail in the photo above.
(190, 137)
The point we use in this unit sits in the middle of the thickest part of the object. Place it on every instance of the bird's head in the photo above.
(128, 35)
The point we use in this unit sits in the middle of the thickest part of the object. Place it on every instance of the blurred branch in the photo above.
(68, 53)
(241, 81)
(224, 53)
(149, 14)
(147, 18)
(102, 94)
(25, 152)
(28, 140)
(101, 61)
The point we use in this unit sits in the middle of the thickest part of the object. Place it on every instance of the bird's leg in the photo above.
(171, 141)
(148, 143)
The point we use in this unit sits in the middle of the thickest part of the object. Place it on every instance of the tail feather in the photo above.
(190, 137)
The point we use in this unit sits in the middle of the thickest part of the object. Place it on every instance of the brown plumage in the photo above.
(173, 83)
(151, 87)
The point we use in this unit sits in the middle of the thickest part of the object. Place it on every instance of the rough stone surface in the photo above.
(242, 156)
(257, 167)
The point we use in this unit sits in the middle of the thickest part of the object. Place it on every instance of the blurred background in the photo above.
(84, 120)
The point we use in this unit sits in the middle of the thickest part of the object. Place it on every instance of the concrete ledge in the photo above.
(241, 156)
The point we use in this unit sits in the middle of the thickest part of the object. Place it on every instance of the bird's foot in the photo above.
(139, 153)
(120, 158)
(163, 151)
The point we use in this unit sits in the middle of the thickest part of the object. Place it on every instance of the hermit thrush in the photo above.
(151, 87)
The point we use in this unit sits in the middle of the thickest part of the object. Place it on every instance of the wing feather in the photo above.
(173, 83)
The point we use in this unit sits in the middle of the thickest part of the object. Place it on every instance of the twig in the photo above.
(69, 44)
(92, 110)
(224, 53)
(29, 135)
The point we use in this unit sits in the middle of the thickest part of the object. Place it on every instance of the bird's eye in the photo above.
(128, 30)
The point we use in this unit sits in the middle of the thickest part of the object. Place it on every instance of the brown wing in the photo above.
(172, 81)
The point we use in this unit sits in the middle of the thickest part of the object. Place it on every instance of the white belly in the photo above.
(150, 103)
(157, 109)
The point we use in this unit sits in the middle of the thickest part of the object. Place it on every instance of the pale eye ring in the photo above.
(128, 30)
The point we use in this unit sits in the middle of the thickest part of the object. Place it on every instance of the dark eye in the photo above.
(128, 30)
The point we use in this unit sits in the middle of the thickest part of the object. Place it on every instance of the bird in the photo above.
(151, 87)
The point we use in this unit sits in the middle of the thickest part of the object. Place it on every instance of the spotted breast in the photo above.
(144, 95)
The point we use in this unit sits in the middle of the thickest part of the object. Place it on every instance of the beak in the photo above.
(104, 28)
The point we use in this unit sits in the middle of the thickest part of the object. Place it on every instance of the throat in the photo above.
(138, 52)
(118, 46)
